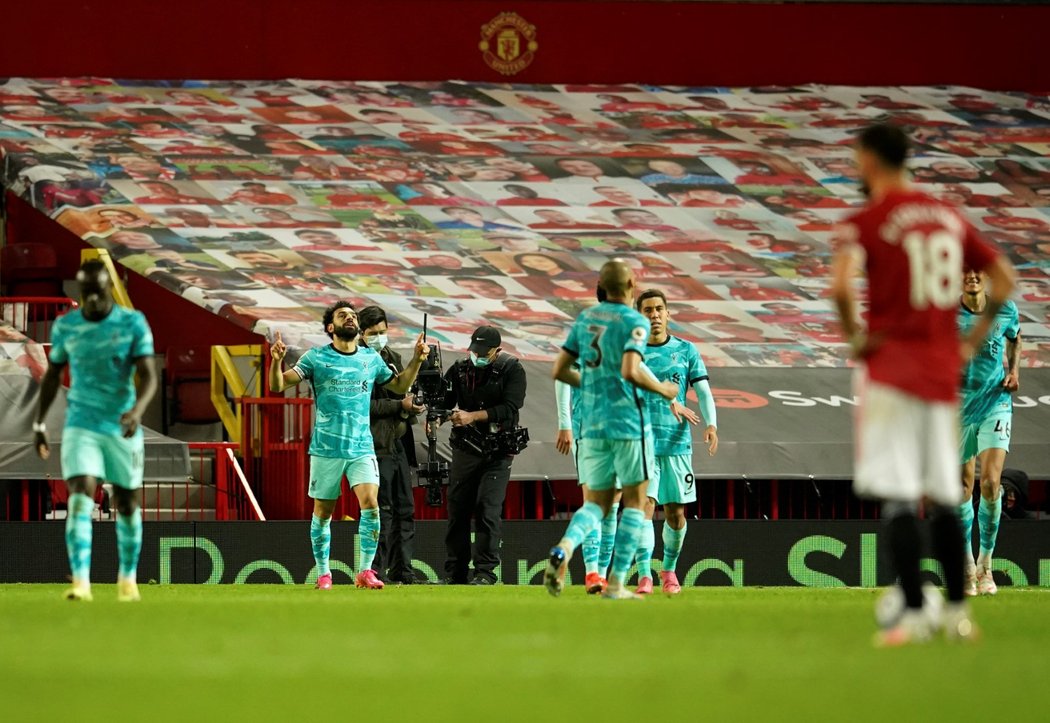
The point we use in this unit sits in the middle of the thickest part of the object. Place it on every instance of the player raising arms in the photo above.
(987, 412)
(109, 350)
(341, 375)
(671, 484)
(914, 249)
(608, 343)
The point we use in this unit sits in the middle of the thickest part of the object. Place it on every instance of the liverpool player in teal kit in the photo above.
(672, 484)
(109, 350)
(341, 375)
(987, 412)
(608, 343)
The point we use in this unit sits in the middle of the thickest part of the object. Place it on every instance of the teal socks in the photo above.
(587, 518)
(321, 540)
(988, 514)
(368, 529)
(78, 536)
(627, 536)
(584, 521)
(607, 540)
(966, 522)
(673, 540)
(590, 550)
(646, 543)
(129, 543)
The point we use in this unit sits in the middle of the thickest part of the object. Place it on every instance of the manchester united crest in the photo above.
(508, 43)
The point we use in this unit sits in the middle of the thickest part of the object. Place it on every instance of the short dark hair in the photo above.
(329, 314)
(370, 316)
(93, 267)
(889, 144)
(650, 294)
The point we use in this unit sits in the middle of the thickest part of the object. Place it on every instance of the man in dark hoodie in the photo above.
(391, 419)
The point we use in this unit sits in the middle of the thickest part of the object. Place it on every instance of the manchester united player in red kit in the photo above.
(913, 249)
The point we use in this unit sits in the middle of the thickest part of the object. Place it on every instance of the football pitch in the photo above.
(424, 653)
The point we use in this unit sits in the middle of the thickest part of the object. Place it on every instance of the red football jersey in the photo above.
(916, 248)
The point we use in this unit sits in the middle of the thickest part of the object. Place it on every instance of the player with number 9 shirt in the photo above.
(913, 249)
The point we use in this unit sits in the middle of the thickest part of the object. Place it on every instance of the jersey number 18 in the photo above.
(935, 261)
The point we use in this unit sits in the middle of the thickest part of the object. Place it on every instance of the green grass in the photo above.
(254, 652)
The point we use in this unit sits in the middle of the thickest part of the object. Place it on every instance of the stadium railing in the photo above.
(275, 438)
(34, 315)
(234, 497)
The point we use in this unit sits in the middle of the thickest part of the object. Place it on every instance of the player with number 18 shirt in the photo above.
(913, 249)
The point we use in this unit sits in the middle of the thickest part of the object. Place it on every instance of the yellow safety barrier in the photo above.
(224, 374)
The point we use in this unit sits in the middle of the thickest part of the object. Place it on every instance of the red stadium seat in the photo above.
(187, 386)
(30, 269)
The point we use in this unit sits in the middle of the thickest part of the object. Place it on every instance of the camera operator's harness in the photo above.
(500, 440)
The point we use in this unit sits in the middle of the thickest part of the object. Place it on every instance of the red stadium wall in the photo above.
(693, 43)
(174, 319)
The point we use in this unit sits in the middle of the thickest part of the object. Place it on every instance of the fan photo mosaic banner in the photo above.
(496, 203)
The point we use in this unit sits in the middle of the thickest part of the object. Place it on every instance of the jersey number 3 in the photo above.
(935, 261)
(596, 340)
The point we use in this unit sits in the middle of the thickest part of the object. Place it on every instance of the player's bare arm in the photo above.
(145, 389)
(48, 391)
(563, 371)
(280, 379)
(684, 414)
(632, 371)
(1013, 361)
(402, 382)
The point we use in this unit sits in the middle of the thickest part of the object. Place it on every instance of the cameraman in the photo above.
(391, 416)
(486, 390)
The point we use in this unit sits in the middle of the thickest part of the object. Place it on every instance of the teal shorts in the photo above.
(605, 464)
(991, 433)
(109, 457)
(576, 462)
(326, 474)
(672, 482)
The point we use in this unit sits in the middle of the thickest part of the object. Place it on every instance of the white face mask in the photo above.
(377, 342)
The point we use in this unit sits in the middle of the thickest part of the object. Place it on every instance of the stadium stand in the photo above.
(261, 202)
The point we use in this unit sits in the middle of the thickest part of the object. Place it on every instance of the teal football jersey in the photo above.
(342, 387)
(609, 407)
(982, 389)
(678, 361)
(101, 357)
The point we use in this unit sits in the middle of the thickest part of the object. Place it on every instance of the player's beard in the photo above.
(347, 332)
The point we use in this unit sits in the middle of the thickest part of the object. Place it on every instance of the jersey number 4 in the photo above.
(935, 261)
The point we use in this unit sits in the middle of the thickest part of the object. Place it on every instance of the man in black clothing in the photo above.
(486, 391)
(391, 418)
